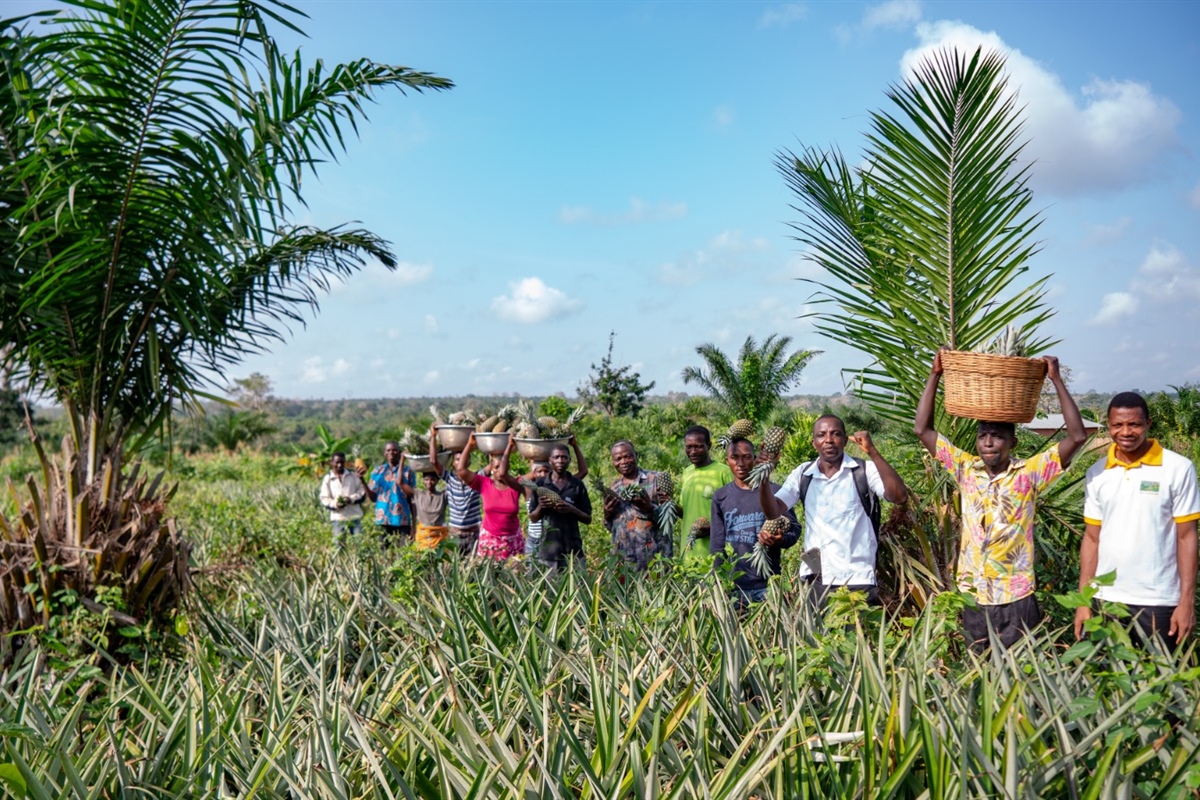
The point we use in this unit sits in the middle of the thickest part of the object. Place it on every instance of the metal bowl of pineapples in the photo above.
(538, 449)
(535, 437)
(493, 444)
(424, 463)
(493, 431)
(453, 437)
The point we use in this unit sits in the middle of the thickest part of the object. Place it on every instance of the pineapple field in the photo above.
(295, 671)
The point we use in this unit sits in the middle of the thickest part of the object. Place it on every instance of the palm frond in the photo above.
(928, 244)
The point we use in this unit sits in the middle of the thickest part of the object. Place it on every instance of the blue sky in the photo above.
(610, 166)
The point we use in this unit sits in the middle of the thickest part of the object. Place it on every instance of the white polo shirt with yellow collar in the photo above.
(1137, 507)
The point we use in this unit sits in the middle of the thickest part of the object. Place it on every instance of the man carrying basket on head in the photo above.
(999, 494)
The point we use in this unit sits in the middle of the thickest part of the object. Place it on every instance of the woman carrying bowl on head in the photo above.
(500, 532)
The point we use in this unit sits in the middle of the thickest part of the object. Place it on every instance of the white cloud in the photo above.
(431, 323)
(1115, 307)
(726, 251)
(723, 116)
(639, 211)
(375, 279)
(1107, 136)
(892, 14)
(473, 363)
(1194, 197)
(340, 367)
(406, 274)
(1107, 233)
(531, 301)
(1165, 277)
(432, 376)
(314, 372)
(783, 15)
(1166, 274)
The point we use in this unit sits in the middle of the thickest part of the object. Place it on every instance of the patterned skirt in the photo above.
(500, 546)
(430, 536)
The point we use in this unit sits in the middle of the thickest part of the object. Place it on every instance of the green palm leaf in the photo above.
(154, 154)
(928, 243)
(752, 388)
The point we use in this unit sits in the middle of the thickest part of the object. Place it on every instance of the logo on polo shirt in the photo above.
(1149, 487)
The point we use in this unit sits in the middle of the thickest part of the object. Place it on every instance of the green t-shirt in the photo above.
(696, 490)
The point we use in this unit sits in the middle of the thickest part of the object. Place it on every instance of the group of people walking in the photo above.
(1141, 507)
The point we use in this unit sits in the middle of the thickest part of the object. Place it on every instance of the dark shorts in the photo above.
(396, 534)
(818, 593)
(467, 539)
(557, 548)
(1151, 621)
(1009, 621)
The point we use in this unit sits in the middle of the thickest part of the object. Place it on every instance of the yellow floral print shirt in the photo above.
(995, 556)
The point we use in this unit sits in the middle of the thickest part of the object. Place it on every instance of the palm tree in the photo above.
(926, 243)
(754, 387)
(153, 154)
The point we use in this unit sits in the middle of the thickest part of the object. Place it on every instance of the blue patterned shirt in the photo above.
(391, 505)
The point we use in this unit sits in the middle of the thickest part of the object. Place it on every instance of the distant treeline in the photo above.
(295, 421)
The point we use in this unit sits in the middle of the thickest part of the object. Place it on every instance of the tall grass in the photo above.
(491, 682)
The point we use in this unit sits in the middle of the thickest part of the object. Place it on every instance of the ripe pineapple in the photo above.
(740, 429)
(772, 446)
(573, 418)
(544, 494)
(603, 489)
(773, 441)
(359, 464)
(1009, 343)
(667, 513)
(760, 559)
(631, 492)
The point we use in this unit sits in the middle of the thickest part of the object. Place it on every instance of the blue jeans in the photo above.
(350, 526)
(747, 596)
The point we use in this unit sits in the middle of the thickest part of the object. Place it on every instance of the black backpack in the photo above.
(870, 502)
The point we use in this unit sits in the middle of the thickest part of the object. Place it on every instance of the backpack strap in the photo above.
(805, 480)
(866, 497)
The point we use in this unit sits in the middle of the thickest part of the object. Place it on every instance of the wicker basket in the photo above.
(989, 387)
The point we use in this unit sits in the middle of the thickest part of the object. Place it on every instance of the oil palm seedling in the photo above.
(154, 154)
(753, 387)
(928, 242)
